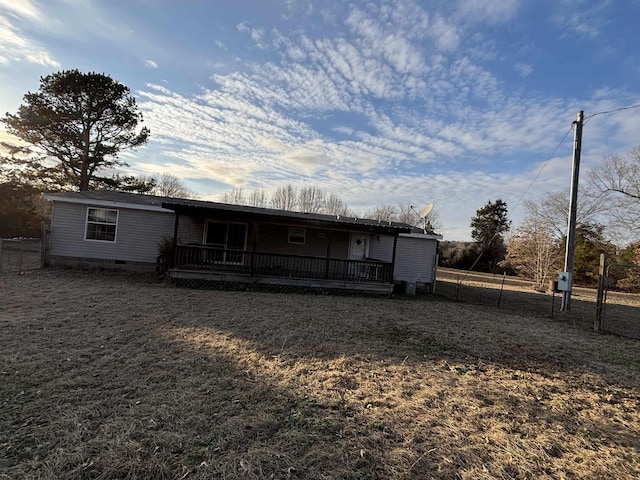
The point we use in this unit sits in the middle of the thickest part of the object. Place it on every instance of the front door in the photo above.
(358, 246)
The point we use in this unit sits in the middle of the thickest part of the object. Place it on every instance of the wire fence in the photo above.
(18, 255)
(621, 309)
(518, 296)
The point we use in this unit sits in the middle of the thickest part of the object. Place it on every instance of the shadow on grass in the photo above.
(121, 379)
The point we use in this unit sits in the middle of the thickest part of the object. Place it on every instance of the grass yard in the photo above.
(114, 376)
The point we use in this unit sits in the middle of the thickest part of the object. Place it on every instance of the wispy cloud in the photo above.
(585, 22)
(488, 11)
(523, 69)
(150, 64)
(21, 9)
(16, 47)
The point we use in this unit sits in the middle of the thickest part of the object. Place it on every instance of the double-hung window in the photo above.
(101, 224)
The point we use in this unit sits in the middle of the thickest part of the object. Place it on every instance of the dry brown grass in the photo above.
(113, 376)
(621, 313)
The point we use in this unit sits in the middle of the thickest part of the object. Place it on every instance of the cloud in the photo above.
(257, 34)
(587, 22)
(306, 161)
(523, 69)
(488, 11)
(21, 8)
(150, 64)
(16, 47)
(372, 115)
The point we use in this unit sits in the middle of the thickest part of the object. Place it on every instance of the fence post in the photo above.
(504, 277)
(21, 257)
(597, 324)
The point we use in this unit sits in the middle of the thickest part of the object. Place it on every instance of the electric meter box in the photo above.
(564, 282)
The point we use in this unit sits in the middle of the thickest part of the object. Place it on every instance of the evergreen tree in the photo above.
(79, 123)
(488, 227)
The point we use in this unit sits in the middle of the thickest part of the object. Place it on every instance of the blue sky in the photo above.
(445, 102)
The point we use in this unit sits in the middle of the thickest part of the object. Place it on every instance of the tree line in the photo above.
(312, 199)
(608, 220)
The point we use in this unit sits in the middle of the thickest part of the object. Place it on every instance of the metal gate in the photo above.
(18, 255)
(618, 311)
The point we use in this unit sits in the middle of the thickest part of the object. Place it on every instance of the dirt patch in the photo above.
(115, 376)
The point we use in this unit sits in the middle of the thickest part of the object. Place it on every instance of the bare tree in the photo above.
(431, 223)
(333, 205)
(168, 185)
(258, 198)
(235, 197)
(406, 214)
(533, 251)
(311, 200)
(384, 213)
(285, 198)
(552, 210)
(617, 181)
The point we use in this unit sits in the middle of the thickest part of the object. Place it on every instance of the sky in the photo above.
(452, 102)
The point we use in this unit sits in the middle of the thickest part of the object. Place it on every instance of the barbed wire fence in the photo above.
(19, 255)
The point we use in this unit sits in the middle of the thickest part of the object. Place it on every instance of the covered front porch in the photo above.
(258, 246)
(241, 266)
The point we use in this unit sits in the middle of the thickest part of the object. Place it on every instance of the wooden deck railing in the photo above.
(200, 257)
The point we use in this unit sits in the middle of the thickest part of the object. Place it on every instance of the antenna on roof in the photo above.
(426, 211)
(426, 225)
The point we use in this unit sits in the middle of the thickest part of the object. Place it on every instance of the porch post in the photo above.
(173, 260)
(326, 266)
(254, 242)
(393, 256)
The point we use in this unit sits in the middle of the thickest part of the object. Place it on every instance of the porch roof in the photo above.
(247, 213)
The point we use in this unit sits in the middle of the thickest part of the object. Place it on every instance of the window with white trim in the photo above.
(101, 225)
(297, 235)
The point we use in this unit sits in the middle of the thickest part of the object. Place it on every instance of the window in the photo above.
(297, 235)
(226, 236)
(101, 224)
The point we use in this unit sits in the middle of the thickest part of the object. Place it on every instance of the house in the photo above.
(219, 242)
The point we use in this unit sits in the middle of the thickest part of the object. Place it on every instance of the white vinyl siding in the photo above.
(415, 260)
(138, 234)
(381, 248)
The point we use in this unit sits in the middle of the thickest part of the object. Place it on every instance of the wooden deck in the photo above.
(187, 276)
(200, 264)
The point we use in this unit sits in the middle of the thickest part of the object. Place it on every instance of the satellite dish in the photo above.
(426, 210)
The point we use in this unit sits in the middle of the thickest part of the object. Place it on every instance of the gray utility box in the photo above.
(564, 282)
(409, 288)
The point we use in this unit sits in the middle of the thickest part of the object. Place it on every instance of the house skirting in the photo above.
(101, 264)
(200, 277)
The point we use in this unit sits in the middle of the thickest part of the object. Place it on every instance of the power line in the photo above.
(586, 120)
(610, 111)
(544, 165)
(526, 191)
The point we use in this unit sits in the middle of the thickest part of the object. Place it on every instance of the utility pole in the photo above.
(573, 209)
